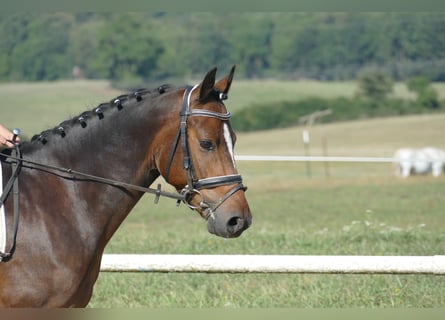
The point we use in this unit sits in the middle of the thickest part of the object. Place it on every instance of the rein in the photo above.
(77, 175)
(67, 173)
(12, 184)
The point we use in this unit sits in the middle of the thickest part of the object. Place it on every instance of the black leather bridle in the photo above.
(194, 184)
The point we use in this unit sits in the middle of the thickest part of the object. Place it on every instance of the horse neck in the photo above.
(114, 146)
(119, 147)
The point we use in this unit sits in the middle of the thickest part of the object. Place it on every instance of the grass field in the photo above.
(360, 209)
(37, 106)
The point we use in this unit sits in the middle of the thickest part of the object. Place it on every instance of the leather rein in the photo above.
(12, 185)
(193, 187)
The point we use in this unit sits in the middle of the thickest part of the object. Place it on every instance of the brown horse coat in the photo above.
(65, 223)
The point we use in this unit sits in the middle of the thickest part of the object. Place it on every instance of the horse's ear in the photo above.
(207, 84)
(223, 85)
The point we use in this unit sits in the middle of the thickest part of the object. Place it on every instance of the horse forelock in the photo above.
(211, 102)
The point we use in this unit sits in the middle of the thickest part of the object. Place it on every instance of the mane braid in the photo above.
(100, 111)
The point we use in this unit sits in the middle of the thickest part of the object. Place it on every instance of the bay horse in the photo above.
(79, 181)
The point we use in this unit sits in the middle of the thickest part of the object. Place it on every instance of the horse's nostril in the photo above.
(230, 228)
(235, 221)
(235, 225)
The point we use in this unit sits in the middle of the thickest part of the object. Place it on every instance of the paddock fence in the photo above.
(288, 264)
(284, 264)
(313, 158)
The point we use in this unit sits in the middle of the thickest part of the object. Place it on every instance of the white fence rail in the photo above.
(433, 265)
(312, 158)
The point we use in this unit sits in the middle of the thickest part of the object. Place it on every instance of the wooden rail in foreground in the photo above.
(434, 265)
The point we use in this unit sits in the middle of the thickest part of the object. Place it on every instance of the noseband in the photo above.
(194, 184)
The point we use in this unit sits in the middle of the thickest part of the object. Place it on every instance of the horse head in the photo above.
(201, 163)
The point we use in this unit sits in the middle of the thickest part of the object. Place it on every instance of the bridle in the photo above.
(194, 184)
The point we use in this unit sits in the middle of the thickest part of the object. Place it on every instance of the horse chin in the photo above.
(231, 227)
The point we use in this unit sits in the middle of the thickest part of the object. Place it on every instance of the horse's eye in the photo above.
(207, 145)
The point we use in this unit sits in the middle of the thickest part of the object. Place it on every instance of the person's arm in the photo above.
(6, 137)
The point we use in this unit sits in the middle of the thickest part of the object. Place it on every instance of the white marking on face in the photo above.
(229, 142)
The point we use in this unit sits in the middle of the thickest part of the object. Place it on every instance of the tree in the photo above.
(250, 43)
(426, 94)
(84, 47)
(127, 49)
(325, 46)
(42, 51)
(375, 85)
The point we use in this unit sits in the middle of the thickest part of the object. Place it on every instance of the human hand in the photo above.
(6, 137)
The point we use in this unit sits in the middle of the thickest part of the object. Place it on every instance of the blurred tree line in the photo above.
(372, 99)
(154, 46)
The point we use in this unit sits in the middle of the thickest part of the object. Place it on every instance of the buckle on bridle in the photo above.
(207, 208)
(188, 193)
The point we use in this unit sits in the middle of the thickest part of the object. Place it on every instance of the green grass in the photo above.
(360, 209)
(209, 291)
(369, 217)
(37, 106)
(369, 137)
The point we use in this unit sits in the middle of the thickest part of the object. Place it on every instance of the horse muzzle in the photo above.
(229, 225)
(229, 216)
